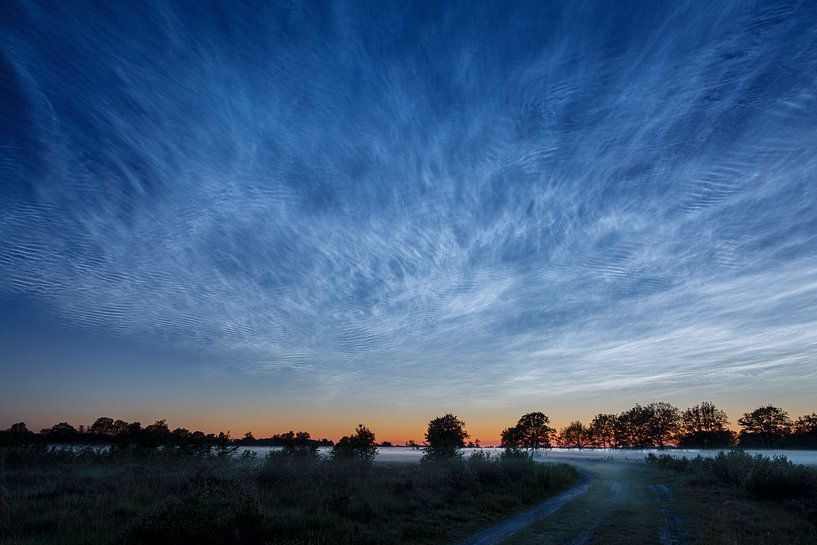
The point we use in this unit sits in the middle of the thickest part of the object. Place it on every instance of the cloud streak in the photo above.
(443, 200)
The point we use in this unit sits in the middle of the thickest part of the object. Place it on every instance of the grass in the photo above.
(154, 497)
(617, 509)
(733, 500)
(738, 498)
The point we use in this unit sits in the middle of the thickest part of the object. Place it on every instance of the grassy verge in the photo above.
(738, 498)
(154, 497)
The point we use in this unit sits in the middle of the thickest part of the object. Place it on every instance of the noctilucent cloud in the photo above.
(291, 214)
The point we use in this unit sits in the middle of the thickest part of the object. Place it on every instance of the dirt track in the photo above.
(613, 503)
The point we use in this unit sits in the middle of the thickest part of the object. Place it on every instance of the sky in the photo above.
(291, 215)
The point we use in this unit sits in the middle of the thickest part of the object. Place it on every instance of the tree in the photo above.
(298, 444)
(359, 447)
(663, 423)
(805, 430)
(602, 431)
(103, 426)
(511, 438)
(705, 426)
(61, 432)
(131, 434)
(154, 435)
(120, 427)
(445, 435)
(19, 428)
(534, 430)
(574, 435)
(633, 427)
(768, 424)
(225, 447)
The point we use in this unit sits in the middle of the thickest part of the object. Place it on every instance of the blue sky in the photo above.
(334, 212)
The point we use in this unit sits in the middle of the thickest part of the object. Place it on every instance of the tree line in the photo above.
(658, 425)
(107, 431)
(655, 425)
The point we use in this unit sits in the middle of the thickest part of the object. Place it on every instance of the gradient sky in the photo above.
(305, 215)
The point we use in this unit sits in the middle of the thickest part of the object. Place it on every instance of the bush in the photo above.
(358, 447)
(209, 511)
(774, 477)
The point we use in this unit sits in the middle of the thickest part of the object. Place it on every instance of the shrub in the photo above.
(767, 477)
(358, 447)
(209, 511)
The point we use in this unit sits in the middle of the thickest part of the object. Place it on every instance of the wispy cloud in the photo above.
(448, 200)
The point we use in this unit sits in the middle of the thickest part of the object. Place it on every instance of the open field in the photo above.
(150, 497)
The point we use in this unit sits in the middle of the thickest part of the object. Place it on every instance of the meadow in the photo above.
(150, 496)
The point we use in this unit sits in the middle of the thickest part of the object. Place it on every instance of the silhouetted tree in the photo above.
(103, 426)
(130, 435)
(574, 435)
(224, 447)
(664, 422)
(360, 446)
(153, 435)
(299, 444)
(19, 428)
(180, 436)
(805, 430)
(633, 427)
(62, 432)
(655, 424)
(534, 430)
(511, 438)
(602, 431)
(444, 437)
(705, 426)
(767, 424)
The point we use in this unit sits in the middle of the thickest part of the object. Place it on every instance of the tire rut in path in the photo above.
(672, 526)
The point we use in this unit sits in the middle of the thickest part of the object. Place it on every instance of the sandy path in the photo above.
(621, 504)
(501, 531)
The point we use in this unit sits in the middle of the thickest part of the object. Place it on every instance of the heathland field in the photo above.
(137, 496)
(73, 496)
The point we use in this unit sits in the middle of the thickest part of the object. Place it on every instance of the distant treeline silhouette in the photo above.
(659, 425)
(655, 425)
(107, 431)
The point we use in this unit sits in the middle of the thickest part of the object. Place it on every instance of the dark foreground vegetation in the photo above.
(154, 496)
(735, 497)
